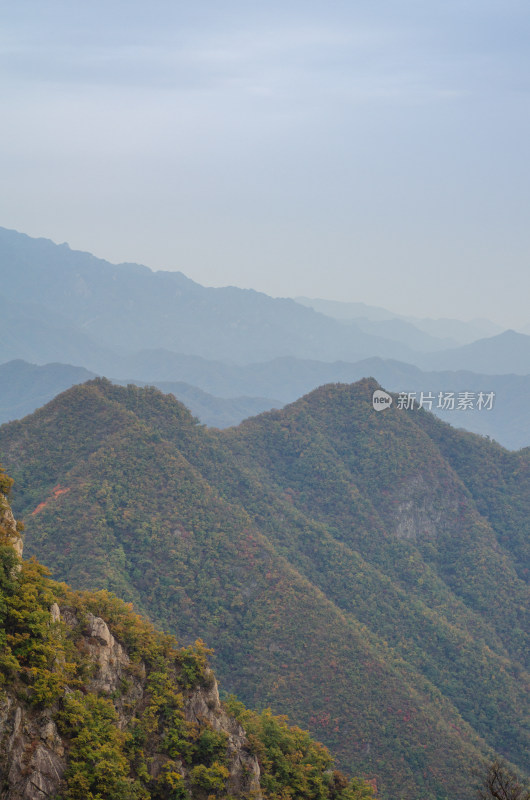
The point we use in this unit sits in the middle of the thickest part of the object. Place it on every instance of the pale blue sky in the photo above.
(364, 151)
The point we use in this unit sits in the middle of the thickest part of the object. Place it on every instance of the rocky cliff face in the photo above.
(34, 756)
(8, 527)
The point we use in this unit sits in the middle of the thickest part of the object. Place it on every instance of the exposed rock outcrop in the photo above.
(34, 757)
(204, 706)
(8, 527)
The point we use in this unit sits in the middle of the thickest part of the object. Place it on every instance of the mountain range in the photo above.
(68, 306)
(231, 353)
(127, 308)
(365, 572)
(208, 385)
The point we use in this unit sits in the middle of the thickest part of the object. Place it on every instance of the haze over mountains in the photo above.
(367, 573)
(131, 324)
(128, 308)
(441, 333)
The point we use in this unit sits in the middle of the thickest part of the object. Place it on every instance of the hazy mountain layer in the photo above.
(505, 353)
(127, 308)
(65, 305)
(452, 331)
(25, 387)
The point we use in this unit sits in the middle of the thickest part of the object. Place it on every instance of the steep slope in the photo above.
(95, 703)
(332, 551)
(400, 474)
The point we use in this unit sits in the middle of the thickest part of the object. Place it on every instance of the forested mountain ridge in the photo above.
(94, 703)
(364, 569)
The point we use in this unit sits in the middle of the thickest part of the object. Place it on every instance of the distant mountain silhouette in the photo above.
(221, 395)
(442, 329)
(68, 306)
(507, 352)
(25, 387)
(127, 307)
